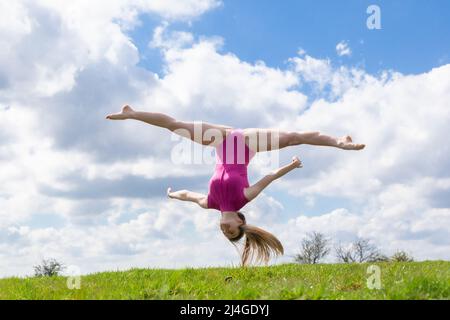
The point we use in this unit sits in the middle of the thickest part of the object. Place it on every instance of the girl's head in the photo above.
(259, 244)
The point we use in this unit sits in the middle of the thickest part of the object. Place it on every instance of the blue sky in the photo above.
(91, 192)
(413, 39)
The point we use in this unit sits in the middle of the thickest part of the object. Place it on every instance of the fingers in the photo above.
(126, 110)
(117, 116)
(169, 190)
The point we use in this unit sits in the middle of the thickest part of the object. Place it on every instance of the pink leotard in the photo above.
(226, 187)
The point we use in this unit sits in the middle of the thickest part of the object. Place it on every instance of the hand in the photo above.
(169, 190)
(296, 162)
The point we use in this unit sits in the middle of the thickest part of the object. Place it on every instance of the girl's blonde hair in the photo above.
(259, 245)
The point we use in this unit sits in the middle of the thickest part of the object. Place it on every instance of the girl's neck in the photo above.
(226, 214)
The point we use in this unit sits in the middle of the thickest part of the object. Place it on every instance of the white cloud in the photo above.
(57, 40)
(396, 126)
(313, 70)
(126, 11)
(343, 49)
(329, 81)
(14, 23)
(160, 236)
(175, 39)
(398, 218)
(227, 88)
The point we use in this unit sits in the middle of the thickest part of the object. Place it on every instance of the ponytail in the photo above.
(259, 245)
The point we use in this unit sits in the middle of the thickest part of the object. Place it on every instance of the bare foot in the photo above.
(346, 144)
(126, 113)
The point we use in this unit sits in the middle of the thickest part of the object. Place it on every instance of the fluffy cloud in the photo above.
(204, 83)
(152, 238)
(47, 43)
(403, 121)
(63, 67)
(329, 81)
(106, 180)
(400, 217)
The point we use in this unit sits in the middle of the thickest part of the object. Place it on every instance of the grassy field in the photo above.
(410, 280)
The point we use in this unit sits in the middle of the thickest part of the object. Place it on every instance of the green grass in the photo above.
(410, 280)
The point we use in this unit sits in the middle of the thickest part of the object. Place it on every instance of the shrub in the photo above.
(401, 256)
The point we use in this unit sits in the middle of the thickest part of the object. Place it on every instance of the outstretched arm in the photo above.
(253, 191)
(186, 195)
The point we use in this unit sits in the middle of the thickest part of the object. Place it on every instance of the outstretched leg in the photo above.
(200, 132)
(271, 139)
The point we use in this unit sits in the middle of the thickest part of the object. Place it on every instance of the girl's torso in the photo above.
(226, 187)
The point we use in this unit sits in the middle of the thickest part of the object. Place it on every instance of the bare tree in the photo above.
(360, 251)
(365, 252)
(314, 248)
(48, 268)
(344, 254)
